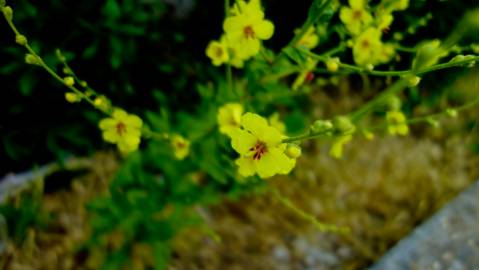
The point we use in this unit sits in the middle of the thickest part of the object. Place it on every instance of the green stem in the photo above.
(323, 227)
(390, 91)
(360, 70)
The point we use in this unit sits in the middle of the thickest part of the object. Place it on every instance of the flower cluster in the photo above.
(123, 129)
(366, 30)
(259, 143)
(244, 30)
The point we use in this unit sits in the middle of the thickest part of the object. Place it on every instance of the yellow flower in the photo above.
(355, 17)
(397, 123)
(181, 146)
(369, 50)
(275, 122)
(218, 52)
(247, 27)
(310, 39)
(229, 117)
(261, 148)
(122, 129)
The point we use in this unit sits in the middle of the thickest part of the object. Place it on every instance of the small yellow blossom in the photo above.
(397, 123)
(275, 122)
(218, 52)
(355, 17)
(247, 27)
(181, 146)
(261, 148)
(122, 129)
(310, 39)
(229, 117)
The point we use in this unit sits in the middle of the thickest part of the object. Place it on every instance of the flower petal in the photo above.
(264, 30)
(246, 166)
(242, 141)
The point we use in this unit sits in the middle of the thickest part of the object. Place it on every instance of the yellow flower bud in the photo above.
(32, 59)
(72, 97)
(21, 40)
(393, 103)
(8, 13)
(332, 64)
(69, 81)
(293, 151)
(84, 84)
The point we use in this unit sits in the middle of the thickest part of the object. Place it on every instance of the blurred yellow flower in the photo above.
(229, 117)
(261, 148)
(368, 48)
(122, 129)
(181, 146)
(397, 123)
(355, 17)
(247, 27)
(310, 39)
(218, 52)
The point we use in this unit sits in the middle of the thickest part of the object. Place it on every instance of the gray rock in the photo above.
(448, 240)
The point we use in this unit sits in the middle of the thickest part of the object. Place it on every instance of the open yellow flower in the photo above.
(181, 146)
(122, 129)
(229, 117)
(368, 48)
(355, 17)
(218, 52)
(310, 39)
(247, 27)
(261, 148)
(397, 123)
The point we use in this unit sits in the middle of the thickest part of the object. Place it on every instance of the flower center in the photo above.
(249, 32)
(365, 44)
(259, 150)
(219, 52)
(357, 14)
(120, 128)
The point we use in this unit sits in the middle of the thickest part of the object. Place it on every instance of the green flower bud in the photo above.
(21, 40)
(393, 103)
(72, 97)
(8, 13)
(32, 59)
(321, 126)
(428, 54)
(69, 81)
(413, 80)
(332, 64)
(433, 122)
(2, 3)
(451, 113)
(343, 125)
